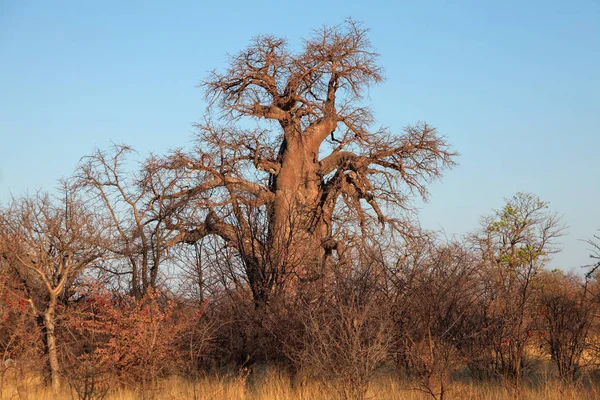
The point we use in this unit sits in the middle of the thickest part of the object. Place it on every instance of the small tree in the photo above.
(594, 255)
(50, 242)
(345, 335)
(515, 244)
(566, 315)
(133, 204)
(433, 292)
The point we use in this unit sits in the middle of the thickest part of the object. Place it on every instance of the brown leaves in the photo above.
(134, 340)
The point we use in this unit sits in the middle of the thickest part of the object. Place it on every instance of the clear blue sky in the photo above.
(514, 85)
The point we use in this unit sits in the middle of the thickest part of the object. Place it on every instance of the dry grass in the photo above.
(275, 386)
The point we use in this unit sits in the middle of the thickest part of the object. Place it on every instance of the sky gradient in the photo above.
(514, 87)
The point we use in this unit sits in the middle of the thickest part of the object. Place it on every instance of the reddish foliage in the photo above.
(133, 340)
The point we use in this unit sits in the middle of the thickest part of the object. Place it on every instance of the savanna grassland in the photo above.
(274, 386)
(280, 257)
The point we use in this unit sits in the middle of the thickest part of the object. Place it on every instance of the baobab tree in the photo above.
(291, 192)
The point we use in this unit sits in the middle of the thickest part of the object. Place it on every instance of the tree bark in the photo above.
(295, 229)
(49, 325)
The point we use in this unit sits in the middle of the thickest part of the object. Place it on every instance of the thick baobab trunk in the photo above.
(296, 231)
(49, 325)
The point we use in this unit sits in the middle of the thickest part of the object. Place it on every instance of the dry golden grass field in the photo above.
(274, 386)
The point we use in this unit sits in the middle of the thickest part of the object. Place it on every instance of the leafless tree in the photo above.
(594, 255)
(132, 202)
(566, 316)
(51, 242)
(345, 335)
(313, 166)
(434, 289)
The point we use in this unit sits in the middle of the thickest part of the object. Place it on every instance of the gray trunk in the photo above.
(49, 324)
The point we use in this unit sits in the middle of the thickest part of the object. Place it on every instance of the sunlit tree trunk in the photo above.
(49, 326)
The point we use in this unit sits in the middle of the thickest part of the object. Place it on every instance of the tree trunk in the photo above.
(296, 197)
(49, 324)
